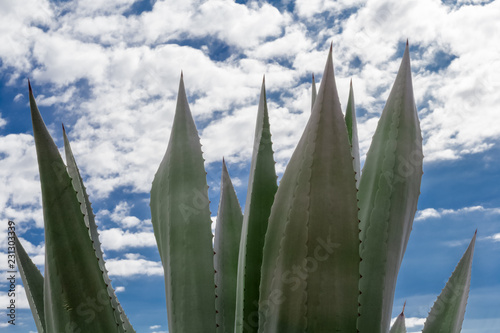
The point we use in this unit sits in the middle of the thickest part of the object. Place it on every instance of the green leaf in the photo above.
(399, 325)
(314, 92)
(447, 313)
(262, 187)
(33, 285)
(226, 247)
(352, 131)
(388, 196)
(182, 226)
(75, 295)
(311, 255)
(90, 223)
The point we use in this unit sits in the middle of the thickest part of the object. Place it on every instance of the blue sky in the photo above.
(109, 70)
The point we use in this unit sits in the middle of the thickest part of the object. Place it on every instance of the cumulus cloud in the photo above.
(119, 289)
(429, 213)
(117, 239)
(3, 122)
(121, 132)
(21, 299)
(133, 267)
(494, 238)
(20, 198)
(413, 323)
(121, 215)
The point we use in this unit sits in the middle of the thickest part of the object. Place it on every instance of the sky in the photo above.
(109, 70)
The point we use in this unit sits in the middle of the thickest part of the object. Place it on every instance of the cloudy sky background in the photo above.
(110, 69)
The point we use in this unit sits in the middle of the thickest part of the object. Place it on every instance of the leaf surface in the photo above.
(314, 92)
(33, 285)
(447, 313)
(311, 255)
(226, 247)
(75, 294)
(399, 325)
(182, 226)
(388, 196)
(262, 187)
(352, 131)
(90, 223)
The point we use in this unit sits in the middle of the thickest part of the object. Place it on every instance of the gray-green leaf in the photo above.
(226, 248)
(388, 196)
(33, 285)
(262, 187)
(182, 226)
(314, 92)
(399, 325)
(352, 131)
(311, 255)
(447, 313)
(75, 294)
(89, 219)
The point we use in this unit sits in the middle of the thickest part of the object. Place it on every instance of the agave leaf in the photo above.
(262, 187)
(227, 247)
(399, 325)
(447, 313)
(33, 285)
(388, 196)
(182, 226)
(311, 254)
(90, 223)
(75, 294)
(352, 131)
(314, 92)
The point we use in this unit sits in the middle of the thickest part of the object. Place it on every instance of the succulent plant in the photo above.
(318, 253)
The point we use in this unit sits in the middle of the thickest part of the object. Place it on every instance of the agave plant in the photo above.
(318, 253)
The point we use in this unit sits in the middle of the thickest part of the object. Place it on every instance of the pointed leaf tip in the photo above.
(447, 313)
(29, 87)
(64, 130)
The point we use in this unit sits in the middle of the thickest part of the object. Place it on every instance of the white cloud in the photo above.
(18, 97)
(426, 214)
(89, 7)
(133, 267)
(20, 296)
(3, 122)
(293, 42)
(495, 237)
(117, 239)
(20, 198)
(438, 213)
(412, 323)
(63, 98)
(119, 289)
(309, 8)
(236, 24)
(121, 215)
(371, 33)
(67, 60)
